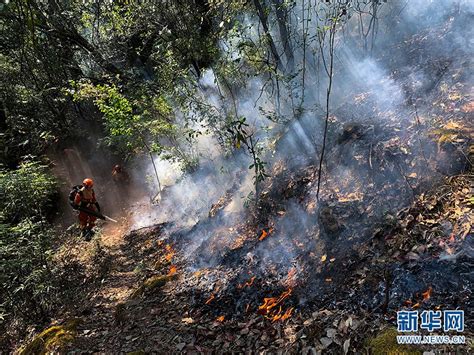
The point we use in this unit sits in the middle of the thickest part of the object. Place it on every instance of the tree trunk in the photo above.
(282, 18)
(264, 21)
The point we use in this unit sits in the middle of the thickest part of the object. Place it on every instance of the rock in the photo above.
(180, 346)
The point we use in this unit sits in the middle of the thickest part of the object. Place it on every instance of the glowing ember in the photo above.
(173, 270)
(210, 299)
(248, 283)
(265, 234)
(220, 319)
(170, 252)
(427, 293)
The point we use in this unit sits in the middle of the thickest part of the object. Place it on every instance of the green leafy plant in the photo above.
(240, 135)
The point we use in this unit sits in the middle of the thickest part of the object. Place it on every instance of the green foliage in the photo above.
(26, 289)
(133, 127)
(239, 134)
(26, 285)
(27, 192)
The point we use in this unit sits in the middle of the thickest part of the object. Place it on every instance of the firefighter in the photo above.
(119, 175)
(85, 198)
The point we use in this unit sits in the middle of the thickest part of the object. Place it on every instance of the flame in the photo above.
(287, 314)
(220, 319)
(265, 234)
(210, 298)
(248, 283)
(173, 270)
(170, 252)
(277, 315)
(427, 293)
(269, 305)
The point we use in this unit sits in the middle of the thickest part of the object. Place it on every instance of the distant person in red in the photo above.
(85, 198)
(119, 175)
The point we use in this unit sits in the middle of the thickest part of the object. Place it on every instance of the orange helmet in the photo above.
(88, 182)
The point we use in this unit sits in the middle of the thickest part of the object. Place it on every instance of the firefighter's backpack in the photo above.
(72, 195)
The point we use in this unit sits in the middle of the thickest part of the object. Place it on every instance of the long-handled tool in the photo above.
(96, 214)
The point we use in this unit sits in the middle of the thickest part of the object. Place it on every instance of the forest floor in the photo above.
(148, 297)
(290, 275)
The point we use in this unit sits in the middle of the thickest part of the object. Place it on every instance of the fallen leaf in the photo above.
(331, 332)
(325, 341)
(345, 347)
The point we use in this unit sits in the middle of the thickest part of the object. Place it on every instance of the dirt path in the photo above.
(118, 282)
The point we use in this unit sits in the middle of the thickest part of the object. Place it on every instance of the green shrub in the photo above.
(26, 283)
(26, 192)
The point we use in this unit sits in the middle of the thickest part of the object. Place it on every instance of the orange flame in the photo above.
(427, 293)
(170, 252)
(271, 302)
(173, 270)
(265, 234)
(284, 316)
(220, 319)
(248, 283)
(210, 299)
(287, 314)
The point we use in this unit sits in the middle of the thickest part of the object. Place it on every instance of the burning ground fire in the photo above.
(265, 234)
(272, 307)
(170, 253)
(425, 296)
(247, 284)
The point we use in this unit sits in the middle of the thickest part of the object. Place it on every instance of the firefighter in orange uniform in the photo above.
(85, 198)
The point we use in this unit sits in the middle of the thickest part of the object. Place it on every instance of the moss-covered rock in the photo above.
(52, 339)
(152, 283)
(386, 343)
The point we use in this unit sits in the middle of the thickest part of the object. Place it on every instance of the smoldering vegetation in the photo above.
(380, 154)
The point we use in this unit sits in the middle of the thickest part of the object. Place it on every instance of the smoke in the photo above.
(380, 109)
